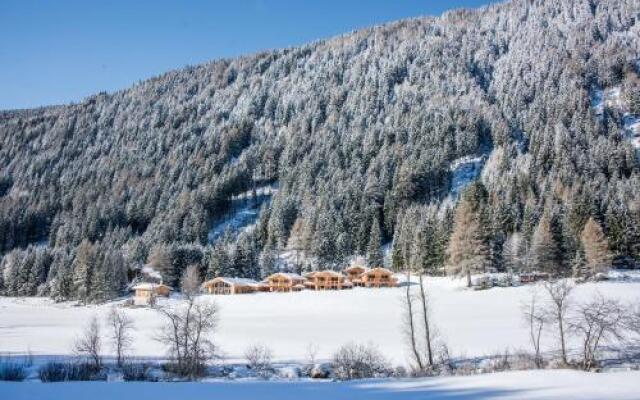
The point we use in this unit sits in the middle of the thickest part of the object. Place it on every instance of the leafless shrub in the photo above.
(259, 359)
(597, 322)
(12, 370)
(70, 371)
(89, 344)
(444, 359)
(121, 327)
(357, 361)
(187, 333)
(132, 372)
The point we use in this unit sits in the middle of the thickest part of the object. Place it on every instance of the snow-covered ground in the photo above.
(473, 323)
(565, 384)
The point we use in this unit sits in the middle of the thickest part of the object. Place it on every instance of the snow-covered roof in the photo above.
(289, 275)
(148, 286)
(149, 271)
(233, 281)
(325, 272)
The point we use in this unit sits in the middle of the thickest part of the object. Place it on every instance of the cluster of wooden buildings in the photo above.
(355, 275)
(316, 280)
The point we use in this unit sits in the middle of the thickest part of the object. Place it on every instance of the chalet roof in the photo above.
(355, 266)
(378, 270)
(328, 272)
(289, 275)
(232, 281)
(149, 286)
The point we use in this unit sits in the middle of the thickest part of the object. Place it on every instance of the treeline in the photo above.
(360, 133)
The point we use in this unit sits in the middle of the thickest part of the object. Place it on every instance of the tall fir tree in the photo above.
(375, 258)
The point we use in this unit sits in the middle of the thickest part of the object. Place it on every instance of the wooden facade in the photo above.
(285, 282)
(354, 274)
(379, 277)
(326, 280)
(146, 293)
(223, 285)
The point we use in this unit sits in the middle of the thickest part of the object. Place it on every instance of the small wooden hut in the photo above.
(354, 274)
(225, 285)
(326, 280)
(146, 293)
(379, 277)
(285, 282)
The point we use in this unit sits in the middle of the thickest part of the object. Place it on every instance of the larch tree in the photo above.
(596, 247)
(467, 251)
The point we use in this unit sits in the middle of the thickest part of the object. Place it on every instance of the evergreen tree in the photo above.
(83, 269)
(545, 251)
(375, 258)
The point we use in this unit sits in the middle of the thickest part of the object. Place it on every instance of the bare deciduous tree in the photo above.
(426, 320)
(89, 344)
(121, 327)
(535, 318)
(187, 333)
(559, 293)
(421, 337)
(598, 322)
(410, 326)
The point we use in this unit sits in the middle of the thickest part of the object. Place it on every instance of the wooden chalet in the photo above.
(354, 274)
(146, 293)
(326, 280)
(378, 277)
(224, 285)
(285, 282)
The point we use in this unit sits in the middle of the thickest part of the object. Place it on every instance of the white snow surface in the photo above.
(525, 385)
(473, 323)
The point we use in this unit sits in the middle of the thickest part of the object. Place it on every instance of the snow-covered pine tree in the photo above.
(545, 252)
(83, 270)
(375, 258)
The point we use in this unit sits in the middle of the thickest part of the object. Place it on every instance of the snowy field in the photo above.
(563, 384)
(473, 323)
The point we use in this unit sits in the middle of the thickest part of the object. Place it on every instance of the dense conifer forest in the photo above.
(362, 140)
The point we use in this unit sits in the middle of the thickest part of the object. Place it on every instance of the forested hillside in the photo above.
(362, 137)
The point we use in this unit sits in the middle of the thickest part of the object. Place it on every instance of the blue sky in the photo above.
(54, 52)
